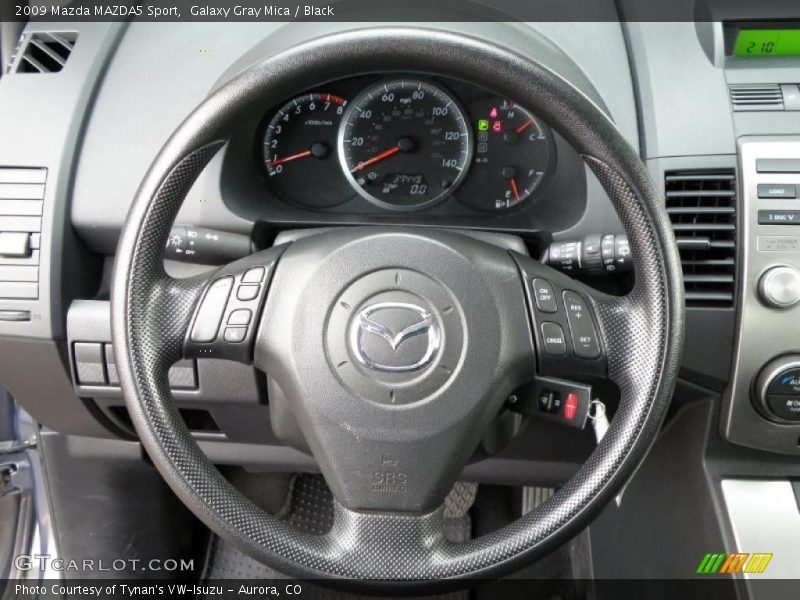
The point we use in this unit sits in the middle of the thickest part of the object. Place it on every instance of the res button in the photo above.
(584, 335)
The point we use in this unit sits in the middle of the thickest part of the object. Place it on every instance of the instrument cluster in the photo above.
(405, 143)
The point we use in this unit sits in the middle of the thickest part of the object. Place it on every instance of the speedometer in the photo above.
(404, 144)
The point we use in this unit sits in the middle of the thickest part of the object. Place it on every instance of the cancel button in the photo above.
(553, 336)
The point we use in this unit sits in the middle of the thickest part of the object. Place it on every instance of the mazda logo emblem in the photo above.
(424, 324)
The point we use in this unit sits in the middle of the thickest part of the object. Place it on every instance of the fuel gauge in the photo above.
(514, 153)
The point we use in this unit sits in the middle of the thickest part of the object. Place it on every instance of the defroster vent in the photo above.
(702, 208)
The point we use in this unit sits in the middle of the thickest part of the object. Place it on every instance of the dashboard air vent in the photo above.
(755, 97)
(46, 52)
(702, 208)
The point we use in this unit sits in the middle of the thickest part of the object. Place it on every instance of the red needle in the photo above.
(376, 158)
(285, 159)
(514, 189)
(525, 125)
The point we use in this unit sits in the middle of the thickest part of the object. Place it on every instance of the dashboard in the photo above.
(404, 146)
(700, 103)
(370, 148)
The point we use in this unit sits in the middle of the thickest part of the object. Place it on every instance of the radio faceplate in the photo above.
(767, 330)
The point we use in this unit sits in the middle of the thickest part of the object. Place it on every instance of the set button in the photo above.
(584, 336)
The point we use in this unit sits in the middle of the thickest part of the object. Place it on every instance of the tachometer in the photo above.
(514, 152)
(404, 144)
(299, 151)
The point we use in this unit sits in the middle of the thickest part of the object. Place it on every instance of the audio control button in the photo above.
(779, 287)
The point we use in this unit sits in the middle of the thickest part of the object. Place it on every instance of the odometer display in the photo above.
(405, 144)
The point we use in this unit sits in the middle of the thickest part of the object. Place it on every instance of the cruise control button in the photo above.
(209, 317)
(584, 335)
(254, 275)
(247, 292)
(544, 295)
(240, 317)
(235, 334)
(553, 336)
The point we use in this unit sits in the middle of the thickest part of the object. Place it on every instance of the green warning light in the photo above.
(483, 125)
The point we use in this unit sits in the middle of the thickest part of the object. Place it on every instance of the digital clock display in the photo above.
(768, 42)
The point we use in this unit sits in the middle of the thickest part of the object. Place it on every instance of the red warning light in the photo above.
(497, 126)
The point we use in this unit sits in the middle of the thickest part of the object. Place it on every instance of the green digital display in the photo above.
(768, 42)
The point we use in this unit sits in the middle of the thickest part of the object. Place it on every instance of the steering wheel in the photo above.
(392, 406)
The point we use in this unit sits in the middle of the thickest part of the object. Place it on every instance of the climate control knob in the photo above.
(779, 287)
(777, 389)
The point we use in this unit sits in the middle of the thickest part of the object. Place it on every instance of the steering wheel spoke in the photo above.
(571, 345)
(226, 315)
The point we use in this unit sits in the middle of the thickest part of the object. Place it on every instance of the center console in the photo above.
(762, 405)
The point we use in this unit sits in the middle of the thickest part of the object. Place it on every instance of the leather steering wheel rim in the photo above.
(151, 312)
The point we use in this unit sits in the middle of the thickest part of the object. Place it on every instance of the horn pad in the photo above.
(395, 336)
(389, 353)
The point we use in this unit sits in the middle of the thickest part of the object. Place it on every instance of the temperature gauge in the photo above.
(514, 153)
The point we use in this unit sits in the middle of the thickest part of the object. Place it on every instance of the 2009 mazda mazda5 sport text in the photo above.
(465, 299)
